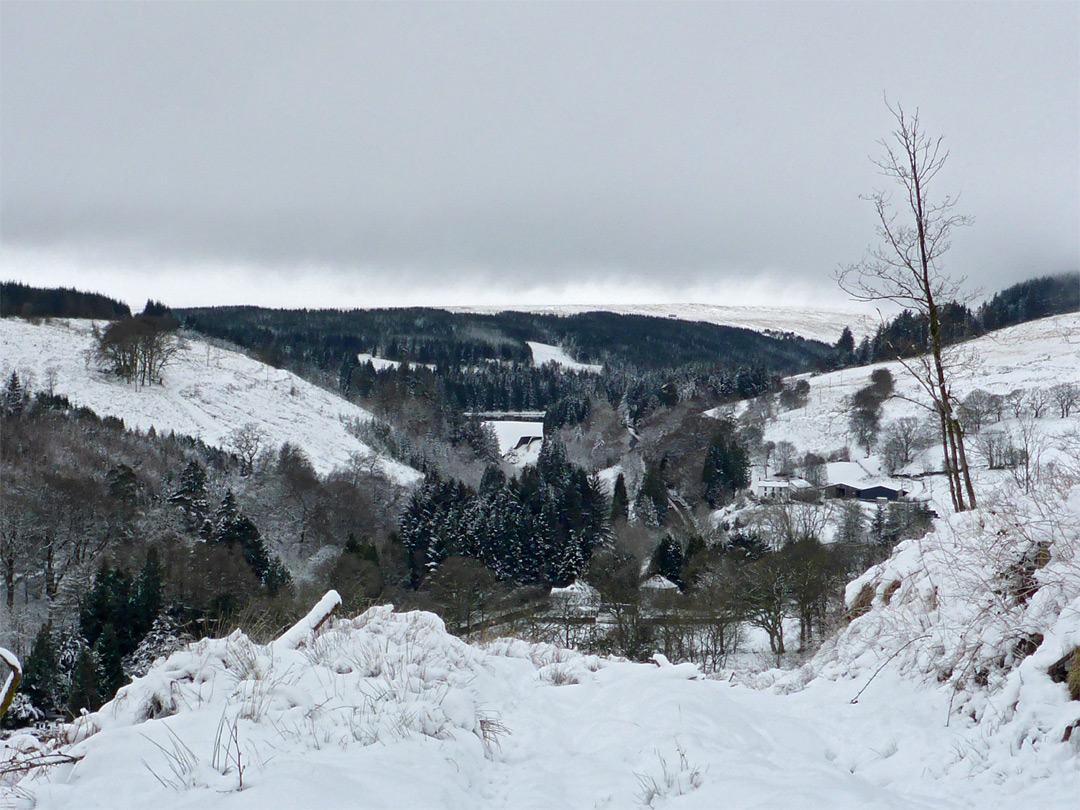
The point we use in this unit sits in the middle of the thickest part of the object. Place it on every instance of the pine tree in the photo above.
(877, 528)
(164, 638)
(726, 468)
(845, 347)
(110, 663)
(190, 496)
(276, 576)
(40, 672)
(620, 502)
(13, 399)
(109, 602)
(667, 560)
(652, 498)
(233, 528)
(123, 485)
(149, 592)
(552, 464)
(84, 693)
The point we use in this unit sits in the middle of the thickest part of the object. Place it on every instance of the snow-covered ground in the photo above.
(817, 324)
(544, 353)
(208, 393)
(388, 710)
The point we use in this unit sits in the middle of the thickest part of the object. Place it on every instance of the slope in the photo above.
(1031, 357)
(208, 393)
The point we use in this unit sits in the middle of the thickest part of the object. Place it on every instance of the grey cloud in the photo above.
(661, 143)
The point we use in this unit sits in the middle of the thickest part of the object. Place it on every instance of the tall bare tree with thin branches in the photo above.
(905, 268)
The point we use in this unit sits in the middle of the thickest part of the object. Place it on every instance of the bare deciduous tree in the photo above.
(906, 269)
(246, 442)
(902, 440)
(1066, 397)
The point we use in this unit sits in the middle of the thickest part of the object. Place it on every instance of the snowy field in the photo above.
(208, 393)
(817, 324)
(543, 353)
(388, 710)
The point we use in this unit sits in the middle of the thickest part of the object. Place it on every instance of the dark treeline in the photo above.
(438, 337)
(1028, 300)
(908, 334)
(482, 362)
(522, 387)
(57, 302)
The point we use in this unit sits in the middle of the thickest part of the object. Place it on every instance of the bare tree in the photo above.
(246, 442)
(906, 269)
(1066, 397)
(1037, 400)
(901, 440)
(138, 349)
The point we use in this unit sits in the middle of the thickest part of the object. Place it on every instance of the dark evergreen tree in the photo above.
(362, 550)
(233, 528)
(190, 495)
(276, 576)
(40, 672)
(845, 348)
(149, 591)
(85, 692)
(667, 560)
(878, 530)
(651, 504)
(620, 502)
(13, 399)
(155, 309)
(123, 485)
(552, 464)
(110, 662)
(493, 480)
(110, 602)
(726, 468)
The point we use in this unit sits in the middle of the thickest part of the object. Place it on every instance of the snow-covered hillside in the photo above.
(208, 393)
(544, 353)
(1032, 356)
(817, 324)
(388, 710)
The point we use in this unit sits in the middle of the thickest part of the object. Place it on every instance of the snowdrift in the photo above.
(388, 710)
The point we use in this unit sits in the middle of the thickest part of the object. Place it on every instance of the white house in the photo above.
(779, 489)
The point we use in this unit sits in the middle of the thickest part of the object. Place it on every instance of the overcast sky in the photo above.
(349, 154)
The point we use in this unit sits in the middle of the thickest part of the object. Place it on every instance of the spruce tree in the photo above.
(13, 399)
(148, 591)
(85, 693)
(726, 468)
(190, 495)
(40, 672)
(667, 560)
(877, 528)
(110, 662)
(620, 502)
(652, 498)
